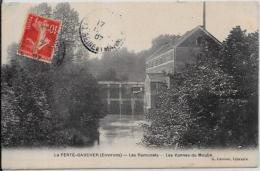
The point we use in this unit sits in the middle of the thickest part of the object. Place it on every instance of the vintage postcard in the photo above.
(39, 38)
(127, 84)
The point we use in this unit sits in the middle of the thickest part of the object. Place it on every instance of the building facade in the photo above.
(172, 58)
(122, 97)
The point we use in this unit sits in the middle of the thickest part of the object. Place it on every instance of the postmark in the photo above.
(101, 31)
(39, 37)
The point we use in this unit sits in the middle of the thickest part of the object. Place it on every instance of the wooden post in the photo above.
(120, 99)
(108, 98)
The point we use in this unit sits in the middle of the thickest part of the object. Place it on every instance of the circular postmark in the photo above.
(101, 31)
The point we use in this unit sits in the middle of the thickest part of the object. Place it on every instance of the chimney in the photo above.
(204, 15)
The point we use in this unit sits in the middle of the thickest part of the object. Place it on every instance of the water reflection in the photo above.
(116, 130)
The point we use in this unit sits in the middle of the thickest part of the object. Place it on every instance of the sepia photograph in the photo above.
(129, 84)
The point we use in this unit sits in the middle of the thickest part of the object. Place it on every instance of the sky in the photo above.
(144, 21)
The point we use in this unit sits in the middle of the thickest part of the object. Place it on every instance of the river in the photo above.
(119, 147)
(120, 131)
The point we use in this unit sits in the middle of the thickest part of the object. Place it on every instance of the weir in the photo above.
(122, 97)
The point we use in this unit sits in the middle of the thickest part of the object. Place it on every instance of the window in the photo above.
(168, 57)
(164, 59)
(126, 91)
(160, 60)
(156, 62)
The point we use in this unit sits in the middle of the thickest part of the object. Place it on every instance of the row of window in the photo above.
(160, 60)
(126, 93)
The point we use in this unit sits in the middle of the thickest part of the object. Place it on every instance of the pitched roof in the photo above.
(189, 33)
(162, 49)
(186, 35)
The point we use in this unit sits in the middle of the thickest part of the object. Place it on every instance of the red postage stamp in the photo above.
(39, 38)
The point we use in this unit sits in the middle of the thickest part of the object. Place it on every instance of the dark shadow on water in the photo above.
(111, 130)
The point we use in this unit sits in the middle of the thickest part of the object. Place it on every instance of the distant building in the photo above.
(122, 97)
(172, 58)
(153, 82)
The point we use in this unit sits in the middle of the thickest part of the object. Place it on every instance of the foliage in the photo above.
(111, 75)
(125, 65)
(162, 40)
(240, 52)
(204, 106)
(49, 104)
(118, 65)
(42, 9)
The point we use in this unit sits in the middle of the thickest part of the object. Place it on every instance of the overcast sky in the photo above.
(144, 21)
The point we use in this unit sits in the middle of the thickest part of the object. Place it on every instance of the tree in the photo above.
(212, 102)
(9, 119)
(27, 103)
(239, 58)
(189, 113)
(118, 65)
(127, 65)
(34, 66)
(70, 21)
(42, 9)
(162, 40)
(50, 104)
